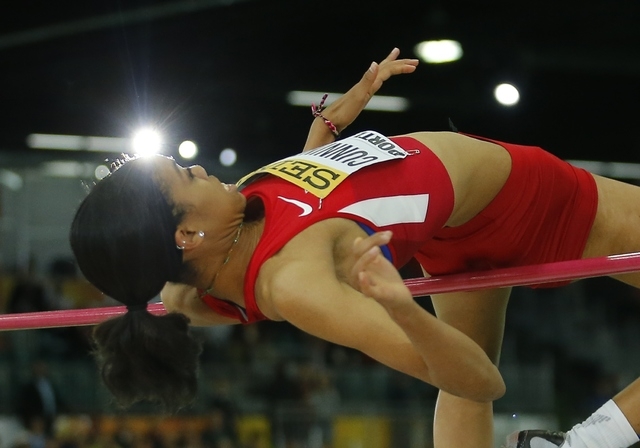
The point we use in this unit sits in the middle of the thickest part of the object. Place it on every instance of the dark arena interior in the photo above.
(228, 85)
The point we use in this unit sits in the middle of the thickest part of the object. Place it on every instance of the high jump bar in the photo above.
(495, 278)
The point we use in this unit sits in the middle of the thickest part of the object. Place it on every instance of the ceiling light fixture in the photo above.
(78, 143)
(378, 102)
(439, 51)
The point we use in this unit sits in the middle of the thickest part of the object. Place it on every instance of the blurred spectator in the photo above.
(38, 401)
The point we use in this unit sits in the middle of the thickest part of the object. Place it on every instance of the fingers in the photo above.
(393, 55)
(365, 260)
(398, 67)
(389, 66)
(370, 75)
(366, 250)
(364, 273)
(362, 245)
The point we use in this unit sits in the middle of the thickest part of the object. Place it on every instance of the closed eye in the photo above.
(190, 173)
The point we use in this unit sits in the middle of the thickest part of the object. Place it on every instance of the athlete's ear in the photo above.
(187, 239)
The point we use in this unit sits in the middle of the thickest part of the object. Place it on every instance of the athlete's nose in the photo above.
(199, 171)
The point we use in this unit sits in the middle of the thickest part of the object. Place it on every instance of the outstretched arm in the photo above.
(345, 109)
(456, 355)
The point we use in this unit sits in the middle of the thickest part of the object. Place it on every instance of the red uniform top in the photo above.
(413, 197)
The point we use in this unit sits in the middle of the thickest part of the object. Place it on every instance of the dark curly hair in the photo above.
(123, 239)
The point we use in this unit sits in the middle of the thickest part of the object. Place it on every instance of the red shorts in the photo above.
(543, 214)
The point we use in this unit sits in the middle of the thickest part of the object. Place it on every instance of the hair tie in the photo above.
(137, 307)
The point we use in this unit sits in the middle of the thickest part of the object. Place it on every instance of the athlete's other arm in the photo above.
(393, 328)
(346, 109)
(179, 298)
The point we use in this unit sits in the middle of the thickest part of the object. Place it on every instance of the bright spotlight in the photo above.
(439, 51)
(228, 157)
(146, 142)
(188, 149)
(506, 94)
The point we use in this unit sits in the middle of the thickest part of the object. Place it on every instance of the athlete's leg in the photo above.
(458, 422)
(616, 230)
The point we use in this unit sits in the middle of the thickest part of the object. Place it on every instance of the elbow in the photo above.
(170, 305)
(174, 298)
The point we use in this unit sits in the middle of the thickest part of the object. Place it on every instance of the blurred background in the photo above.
(228, 84)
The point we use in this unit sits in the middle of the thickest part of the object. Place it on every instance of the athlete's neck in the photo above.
(229, 284)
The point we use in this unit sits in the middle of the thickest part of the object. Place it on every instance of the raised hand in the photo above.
(346, 108)
(343, 111)
(379, 73)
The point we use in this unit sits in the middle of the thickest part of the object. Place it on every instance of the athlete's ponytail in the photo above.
(123, 238)
(146, 357)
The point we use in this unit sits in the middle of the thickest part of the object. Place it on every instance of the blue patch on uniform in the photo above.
(385, 249)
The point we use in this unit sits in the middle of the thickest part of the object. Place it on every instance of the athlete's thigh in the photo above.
(478, 314)
(616, 228)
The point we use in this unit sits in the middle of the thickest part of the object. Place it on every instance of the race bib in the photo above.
(320, 170)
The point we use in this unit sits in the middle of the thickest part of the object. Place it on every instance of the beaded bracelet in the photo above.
(316, 111)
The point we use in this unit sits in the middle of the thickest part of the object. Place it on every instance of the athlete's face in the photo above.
(206, 200)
